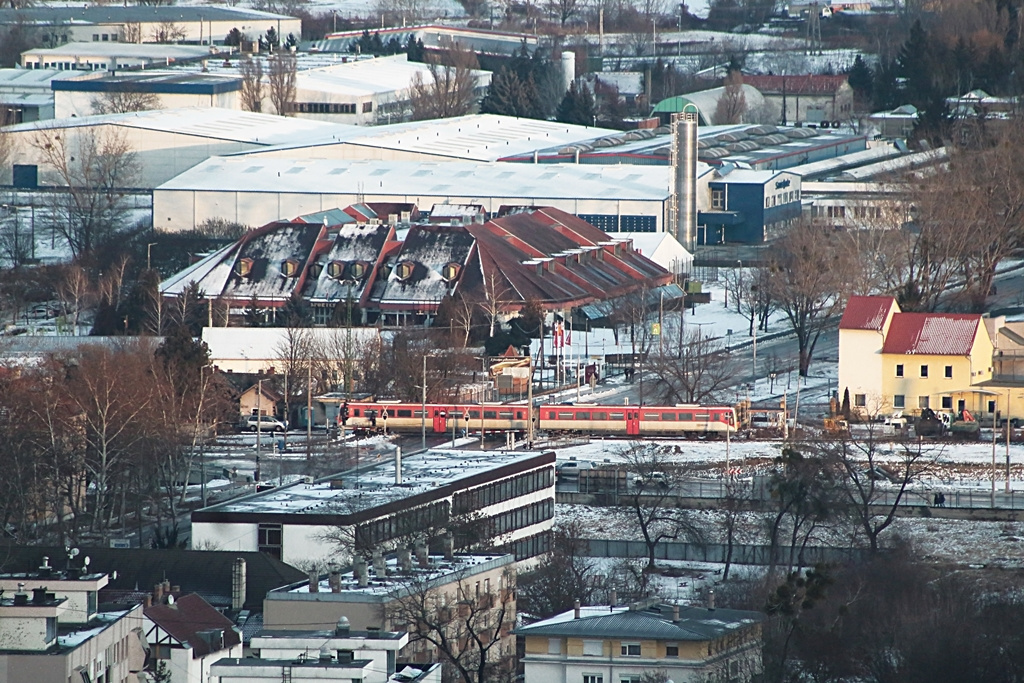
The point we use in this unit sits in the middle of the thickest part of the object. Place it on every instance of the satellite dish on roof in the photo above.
(170, 599)
(73, 552)
(86, 561)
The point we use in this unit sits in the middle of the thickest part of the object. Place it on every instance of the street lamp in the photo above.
(259, 427)
(149, 254)
(199, 414)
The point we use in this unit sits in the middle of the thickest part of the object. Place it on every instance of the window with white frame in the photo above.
(593, 648)
(554, 646)
(593, 678)
(629, 649)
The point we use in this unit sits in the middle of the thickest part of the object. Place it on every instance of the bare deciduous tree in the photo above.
(168, 32)
(732, 105)
(124, 101)
(649, 503)
(281, 75)
(131, 32)
(694, 369)
(252, 84)
(466, 624)
(92, 170)
(808, 277)
(451, 88)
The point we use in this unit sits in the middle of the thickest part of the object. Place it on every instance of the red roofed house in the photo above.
(892, 361)
(187, 635)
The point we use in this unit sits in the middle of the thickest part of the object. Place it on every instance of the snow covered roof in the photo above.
(427, 476)
(694, 624)
(270, 343)
(119, 49)
(438, 571)
(207, 122)
(476, 137)
(941, 334)
(425, 181)
(867, 312)
(116, 14)
(428, 266)
(362, 77)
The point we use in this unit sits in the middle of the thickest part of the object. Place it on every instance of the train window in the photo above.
(519, 415)
(355, 413)
(686, 417)
(702, 417)
(505, 415)
(565, 416)
(652, 416)
(474, 414)
(618, 416)
(583, 416)
(490, 414)
(668, 416)
(551, 415)
(455, 415)
(403, 413)
(417, 413)
(715, 417)
(600, 416)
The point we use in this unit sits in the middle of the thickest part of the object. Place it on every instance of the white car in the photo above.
(265, 423)
(570, 469)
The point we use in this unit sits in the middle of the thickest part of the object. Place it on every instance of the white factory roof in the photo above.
(368, 76)
(421, 473)
(271, 343)
(425, 179)
(118, 49)
(476, 137)
(209, 122)
(28, 79)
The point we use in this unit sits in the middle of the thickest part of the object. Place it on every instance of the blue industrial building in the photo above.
(747, 206)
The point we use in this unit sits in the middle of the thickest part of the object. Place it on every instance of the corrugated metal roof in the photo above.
(941, 334)
(695, 624)
(867, 312)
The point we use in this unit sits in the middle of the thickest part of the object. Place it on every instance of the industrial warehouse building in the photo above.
(383, 507)
(201, 24)
(250, 191)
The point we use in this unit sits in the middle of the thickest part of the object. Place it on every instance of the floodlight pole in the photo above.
(423, 407)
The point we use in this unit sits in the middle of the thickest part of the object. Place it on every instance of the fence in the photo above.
(717, 552)
(759, 490)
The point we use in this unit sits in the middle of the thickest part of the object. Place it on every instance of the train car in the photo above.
(629, 420)
(625, 420)
(405, 417)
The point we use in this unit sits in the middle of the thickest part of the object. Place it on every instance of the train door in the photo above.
(440, 420)
(632, 422)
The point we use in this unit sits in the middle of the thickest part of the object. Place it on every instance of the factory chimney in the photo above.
(684, 177)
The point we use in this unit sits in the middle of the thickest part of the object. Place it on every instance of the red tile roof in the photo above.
(941, 334)
(867, 312)
(186, 617)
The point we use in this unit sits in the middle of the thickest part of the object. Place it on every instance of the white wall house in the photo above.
(862, 331)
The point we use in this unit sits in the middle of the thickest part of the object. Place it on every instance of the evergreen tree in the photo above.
(918, 66)
(271, 39)
(234, 38)
(508, 95)
(295, 312)
(577, 106)
(254, 315)
(845, 407)
(861, 80)
(414, 49)
(886, 94)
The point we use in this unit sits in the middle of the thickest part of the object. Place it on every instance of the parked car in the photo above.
(651, 479)
(265, 423)
(570, 469)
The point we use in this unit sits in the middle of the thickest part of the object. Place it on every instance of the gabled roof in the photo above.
(867, 312)
(695, 624)
(941, 334)
(807, 84)
(189, 615)
(429, 249)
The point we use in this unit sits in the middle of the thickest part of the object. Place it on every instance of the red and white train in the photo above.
(625, 420)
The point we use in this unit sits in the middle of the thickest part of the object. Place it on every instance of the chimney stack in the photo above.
(158, 593)
(334, 579)
(398, 465)
(342, 627)
(711, 599)
(314, 581)
(675, 614)
(576, 609)
(238, 587)
(613, 602)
